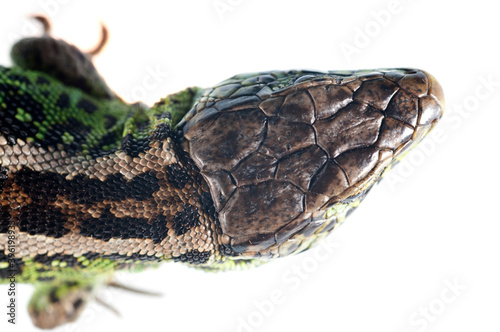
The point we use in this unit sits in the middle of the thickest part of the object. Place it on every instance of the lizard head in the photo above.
(288, 154)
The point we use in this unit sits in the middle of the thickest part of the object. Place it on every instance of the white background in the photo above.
(434, 222)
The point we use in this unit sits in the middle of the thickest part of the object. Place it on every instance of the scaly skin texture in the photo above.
(261, 166)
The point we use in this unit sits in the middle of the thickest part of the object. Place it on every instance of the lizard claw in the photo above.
(133, 290)
(44, 20)
(102, 42)
(47, 28)
(108, 306)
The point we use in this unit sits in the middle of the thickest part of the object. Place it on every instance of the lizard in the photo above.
(260, 166)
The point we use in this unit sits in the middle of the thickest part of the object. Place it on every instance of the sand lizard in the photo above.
(260, 166)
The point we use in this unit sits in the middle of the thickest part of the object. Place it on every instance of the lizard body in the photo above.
(261, 166)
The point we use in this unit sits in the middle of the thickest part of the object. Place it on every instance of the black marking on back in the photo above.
(13, 128)
(165, 115)
(133, 147)
(194, 173)
(160, 227)
(207, 204)
(15, 267)
(45, 93)
(46, 186)
(162, 132)
(42, 80)
(5, 218)
(63, 101)
(54, 135)
(109, 121)
(10, 126)
(3, 176)
(87, 105)
(40, 186)
(20, 79)
(177, 175)
(193, 257)
(140, 187)
(70, 260)
(186, 219)
(42, 220)
(109, 140)
(108, 226)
